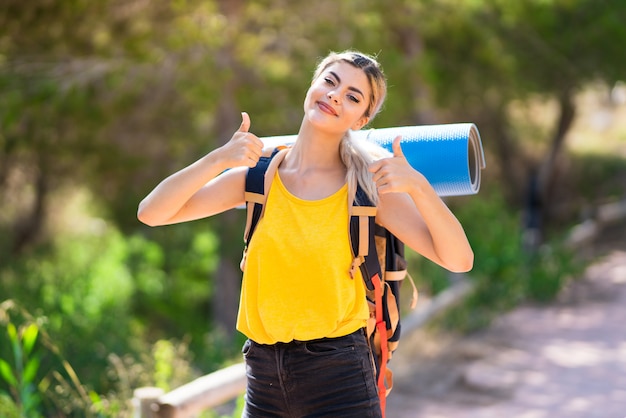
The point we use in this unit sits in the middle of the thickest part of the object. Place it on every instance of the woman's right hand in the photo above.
(244, 148)
(209, 186)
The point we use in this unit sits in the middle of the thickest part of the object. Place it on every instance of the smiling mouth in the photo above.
(326, 108)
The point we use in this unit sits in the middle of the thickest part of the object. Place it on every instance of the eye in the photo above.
(329, 80)
(353, 98)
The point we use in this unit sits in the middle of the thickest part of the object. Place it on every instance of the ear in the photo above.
(360, 123)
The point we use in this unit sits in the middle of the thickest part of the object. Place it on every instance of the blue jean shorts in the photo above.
(329, 377)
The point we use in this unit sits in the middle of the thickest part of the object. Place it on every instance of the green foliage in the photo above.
(171, 364)
(85, 290)
(505, 273)
(34, 367)
(102, 292)
(8, 408)
(598, 177)
(494, 234)
(548, 271)
(166, 364)
(173, 267)
(52, 385)
(21, 374)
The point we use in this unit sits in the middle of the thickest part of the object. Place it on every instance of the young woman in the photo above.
(307, 354)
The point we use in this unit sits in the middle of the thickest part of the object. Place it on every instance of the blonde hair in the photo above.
(355, 156)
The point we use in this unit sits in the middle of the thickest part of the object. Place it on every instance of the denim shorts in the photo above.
(329, 377)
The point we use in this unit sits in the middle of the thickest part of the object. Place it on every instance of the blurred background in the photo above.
(100, 100)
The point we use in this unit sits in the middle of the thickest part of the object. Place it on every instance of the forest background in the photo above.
(100, 100)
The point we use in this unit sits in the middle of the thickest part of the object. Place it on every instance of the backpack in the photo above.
(377, 253)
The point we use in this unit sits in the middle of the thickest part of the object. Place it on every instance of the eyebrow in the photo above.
(354, 89)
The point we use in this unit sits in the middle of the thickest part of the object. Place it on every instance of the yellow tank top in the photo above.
(296, 282)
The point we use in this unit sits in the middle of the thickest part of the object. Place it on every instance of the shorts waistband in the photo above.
(297, 343)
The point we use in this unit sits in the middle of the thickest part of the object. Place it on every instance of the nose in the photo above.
(333, 96)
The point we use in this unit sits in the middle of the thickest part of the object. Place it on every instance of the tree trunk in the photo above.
(230, 228)
(549, 173)
(227, 281)
(228, 275)
(28, 227)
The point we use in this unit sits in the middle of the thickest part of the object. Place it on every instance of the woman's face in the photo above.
(338, 98)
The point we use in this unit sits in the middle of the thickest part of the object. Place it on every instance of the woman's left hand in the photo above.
(395, 174)
(411, 209)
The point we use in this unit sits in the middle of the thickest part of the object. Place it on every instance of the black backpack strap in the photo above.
(255, 193)
(258, 180)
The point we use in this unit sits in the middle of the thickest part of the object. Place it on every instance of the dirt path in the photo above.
(565, 360)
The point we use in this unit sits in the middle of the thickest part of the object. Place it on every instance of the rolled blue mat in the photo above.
(450, 156)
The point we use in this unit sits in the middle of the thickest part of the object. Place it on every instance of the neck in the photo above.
(315, 149)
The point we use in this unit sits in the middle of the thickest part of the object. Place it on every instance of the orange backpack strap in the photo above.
(381, 334)
(363, 239)
(380, 256)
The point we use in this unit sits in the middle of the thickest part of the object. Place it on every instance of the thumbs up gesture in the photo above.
(244, 148)
(394, 174)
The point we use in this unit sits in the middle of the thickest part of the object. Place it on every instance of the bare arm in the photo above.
(203, 188)
(411, 209)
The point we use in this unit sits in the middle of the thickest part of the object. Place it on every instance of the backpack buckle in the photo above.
(356, 263)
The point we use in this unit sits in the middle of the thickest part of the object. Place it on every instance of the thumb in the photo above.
(245, 122)
(397, 149)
